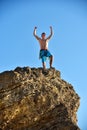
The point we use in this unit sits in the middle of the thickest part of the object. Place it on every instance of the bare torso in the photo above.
(43, 43)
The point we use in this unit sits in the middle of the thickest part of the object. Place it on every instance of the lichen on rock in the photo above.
(33, 99)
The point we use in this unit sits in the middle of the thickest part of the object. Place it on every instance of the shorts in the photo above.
(44, 54)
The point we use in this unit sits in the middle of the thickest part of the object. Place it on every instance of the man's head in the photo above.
(43, 35)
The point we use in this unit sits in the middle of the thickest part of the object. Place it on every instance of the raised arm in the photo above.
(51, 33)
(34, 33)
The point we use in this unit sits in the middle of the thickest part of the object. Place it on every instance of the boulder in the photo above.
(37, 99)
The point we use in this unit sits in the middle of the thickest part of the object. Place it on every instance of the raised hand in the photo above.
(50, 27)
(35, 28)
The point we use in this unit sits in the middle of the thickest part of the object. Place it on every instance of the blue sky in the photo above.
(68, 18)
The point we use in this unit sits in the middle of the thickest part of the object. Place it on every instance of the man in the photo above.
(43, 41)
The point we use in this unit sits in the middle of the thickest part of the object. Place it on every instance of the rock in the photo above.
(33, 99)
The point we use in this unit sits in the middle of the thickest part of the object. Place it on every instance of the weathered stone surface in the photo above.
(33, 99)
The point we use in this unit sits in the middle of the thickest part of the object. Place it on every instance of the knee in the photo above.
(51, 57)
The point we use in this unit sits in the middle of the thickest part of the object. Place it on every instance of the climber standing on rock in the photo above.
(44, 52)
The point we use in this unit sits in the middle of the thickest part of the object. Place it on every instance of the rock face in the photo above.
(33, 99)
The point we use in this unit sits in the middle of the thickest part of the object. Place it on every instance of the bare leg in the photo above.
(44, 65)
(51, 61)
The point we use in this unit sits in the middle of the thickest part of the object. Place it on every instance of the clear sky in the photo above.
(18, 47)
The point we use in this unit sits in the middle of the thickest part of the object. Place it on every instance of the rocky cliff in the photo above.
(33, 99)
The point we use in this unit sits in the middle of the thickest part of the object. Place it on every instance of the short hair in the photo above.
(43, 33)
